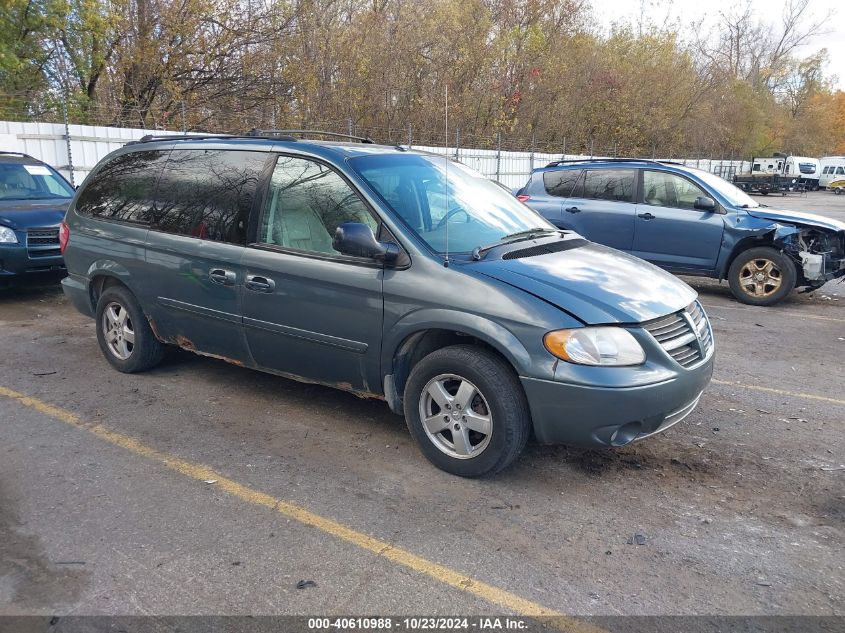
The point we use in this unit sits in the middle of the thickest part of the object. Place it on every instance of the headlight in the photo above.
(612, 346)
(7, 236)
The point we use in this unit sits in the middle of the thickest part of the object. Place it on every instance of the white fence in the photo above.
(88, 144)
(512, 168)
(49, 143)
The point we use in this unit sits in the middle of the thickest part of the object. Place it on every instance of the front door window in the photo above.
(661, 189)
(306, 203)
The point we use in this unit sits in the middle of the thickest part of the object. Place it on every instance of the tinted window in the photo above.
(562, 183)
(208, 194)
(306, 203)
(840, 171)
(668, 190)
(610, 184)
(124, 189)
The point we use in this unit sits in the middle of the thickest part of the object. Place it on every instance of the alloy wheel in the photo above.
(456, 416)
(760, 277)
(118, 330)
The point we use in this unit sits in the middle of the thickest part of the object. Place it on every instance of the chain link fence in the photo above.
(74, 139)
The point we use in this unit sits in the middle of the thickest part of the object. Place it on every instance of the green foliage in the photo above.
(521, 68)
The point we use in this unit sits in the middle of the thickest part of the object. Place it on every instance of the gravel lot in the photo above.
(740, 507)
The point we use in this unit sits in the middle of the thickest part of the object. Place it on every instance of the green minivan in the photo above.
(391, 273)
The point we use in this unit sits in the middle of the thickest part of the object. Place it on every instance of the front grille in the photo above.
(42, 237)
(42, 242)
(685, 335)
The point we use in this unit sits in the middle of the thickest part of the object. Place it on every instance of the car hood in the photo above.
(23, 214)
(595, 284)
(777, 215)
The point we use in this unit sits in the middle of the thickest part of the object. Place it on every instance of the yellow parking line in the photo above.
(799, 315)
(780, 392)
(386, 550)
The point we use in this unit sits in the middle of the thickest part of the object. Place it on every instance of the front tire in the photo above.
(467, 411)
(762, 276)
(124, 334)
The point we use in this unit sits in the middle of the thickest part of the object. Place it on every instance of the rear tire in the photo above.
(762, 276)
(124, 334)
(476, 415)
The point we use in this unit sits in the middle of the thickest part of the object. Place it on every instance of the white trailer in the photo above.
(807, 170)
(832, 168)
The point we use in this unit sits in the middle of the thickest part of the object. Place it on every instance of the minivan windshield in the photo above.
(31, 182)
(479, 212)
(736, 196)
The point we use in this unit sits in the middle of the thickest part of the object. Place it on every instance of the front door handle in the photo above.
(257, 283)
(572, 210)
(222, 276)
(646, 216)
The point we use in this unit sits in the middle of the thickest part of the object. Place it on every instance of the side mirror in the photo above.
(703, 203)
(357, 240)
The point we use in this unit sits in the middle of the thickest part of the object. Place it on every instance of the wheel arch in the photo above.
(409, 342)
(101, 275)
(772, 234)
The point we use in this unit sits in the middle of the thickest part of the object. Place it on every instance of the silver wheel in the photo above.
(455, 416)
(118, 331)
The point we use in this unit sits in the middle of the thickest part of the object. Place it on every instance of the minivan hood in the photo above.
(595, 284)
(777, 215)
(23, 214)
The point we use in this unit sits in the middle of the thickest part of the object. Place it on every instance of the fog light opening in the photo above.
(626, 433)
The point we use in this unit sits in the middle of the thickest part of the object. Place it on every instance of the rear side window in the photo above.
(616, 185)
(208, 194)
(124, 189)
(840, 171)
(562, 183)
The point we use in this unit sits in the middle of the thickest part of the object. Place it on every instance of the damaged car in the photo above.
(690, 222)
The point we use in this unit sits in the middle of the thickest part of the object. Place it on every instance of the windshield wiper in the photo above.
(519, 236)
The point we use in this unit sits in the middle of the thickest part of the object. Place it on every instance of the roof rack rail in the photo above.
(554, 163)
(149, 138)
(288, 133)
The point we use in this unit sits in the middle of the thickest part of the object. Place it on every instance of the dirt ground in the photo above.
(739, 509)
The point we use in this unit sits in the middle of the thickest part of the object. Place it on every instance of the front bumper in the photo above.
(17, 259)
(582, 415)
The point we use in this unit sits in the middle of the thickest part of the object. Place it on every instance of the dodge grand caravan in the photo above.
(390, 273)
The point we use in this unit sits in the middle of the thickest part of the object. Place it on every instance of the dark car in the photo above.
(690, 222)
(390, 273)
(33, 200)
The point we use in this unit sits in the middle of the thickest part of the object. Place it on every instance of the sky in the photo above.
(686, 12)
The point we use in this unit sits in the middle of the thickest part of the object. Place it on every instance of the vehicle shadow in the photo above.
(352, 418)
(713, 289)
(46, 287)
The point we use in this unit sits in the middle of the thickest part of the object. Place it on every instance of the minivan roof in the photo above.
(327, 149)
